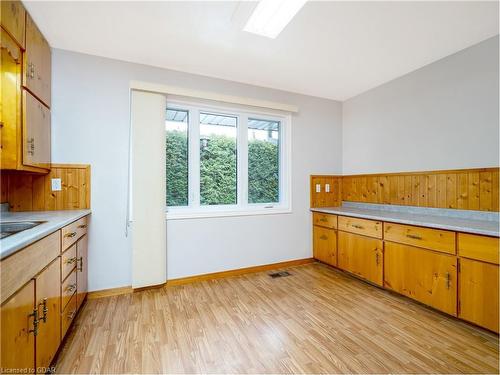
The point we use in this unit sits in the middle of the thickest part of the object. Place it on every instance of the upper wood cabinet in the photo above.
(362, 256)
(426, 276)
(10, 110)
(25, 121)
(13, 18)
(48, 301)
(37, 62)
(36, 132)
(18, 330)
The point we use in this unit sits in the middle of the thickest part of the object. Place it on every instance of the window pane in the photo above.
(176, 127)
(217, 159)
(263, 161)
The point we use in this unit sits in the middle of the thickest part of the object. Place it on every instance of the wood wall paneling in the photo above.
(324, 199)
(32, 192)
(466, 189)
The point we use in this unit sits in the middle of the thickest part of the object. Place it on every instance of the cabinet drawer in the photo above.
(68, 315)
(365, 227)
(68, 262)
(433, 239)
(68, 289)
(73, 231)
(21, 266)
(325, 220)
(478, 247)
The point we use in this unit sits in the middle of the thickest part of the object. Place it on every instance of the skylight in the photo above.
(270, 17)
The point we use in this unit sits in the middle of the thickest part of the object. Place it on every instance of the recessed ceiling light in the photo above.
(271, 16)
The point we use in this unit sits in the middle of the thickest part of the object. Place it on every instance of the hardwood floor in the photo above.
(318, 320)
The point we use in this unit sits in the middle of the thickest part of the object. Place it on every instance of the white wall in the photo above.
(90, 123)
(442, 116)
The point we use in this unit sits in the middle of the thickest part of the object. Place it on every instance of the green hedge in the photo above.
(218, 171)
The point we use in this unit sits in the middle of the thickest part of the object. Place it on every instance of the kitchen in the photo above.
(256, 210)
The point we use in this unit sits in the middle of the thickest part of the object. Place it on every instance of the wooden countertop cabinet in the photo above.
(13, 17)
(325, 245)
(17, 325)
(479, 293)
(426, 276)
(362, 256)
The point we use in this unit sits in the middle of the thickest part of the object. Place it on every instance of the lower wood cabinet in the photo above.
(81, 268)
(48, 300)
(362, 256)
(479, 293)
(424, 275)
(325, 245)
(17, 324)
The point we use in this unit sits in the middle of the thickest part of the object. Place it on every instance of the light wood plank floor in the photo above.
(318, 320)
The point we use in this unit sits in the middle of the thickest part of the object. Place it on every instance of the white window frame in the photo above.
(242, 207)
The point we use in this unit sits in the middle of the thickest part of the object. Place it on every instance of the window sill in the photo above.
(179, 215)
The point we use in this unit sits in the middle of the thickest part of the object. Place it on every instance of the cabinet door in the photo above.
(362, 256)
(10, 114)
(37, 62)
(48, 296)
(36, 132)
(325, 245)
(81, 276)
(423, 275)
(18, 340)
(479, 293)
(13, 17)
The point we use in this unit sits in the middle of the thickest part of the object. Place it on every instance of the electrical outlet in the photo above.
(56, 184)
(318, 188)
(327, 188)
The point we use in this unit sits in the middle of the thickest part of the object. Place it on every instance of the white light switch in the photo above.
(56, 184)
(327, 188)
(318, 188)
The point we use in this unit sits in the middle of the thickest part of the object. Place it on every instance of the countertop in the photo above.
(477, 222)
(54, 220)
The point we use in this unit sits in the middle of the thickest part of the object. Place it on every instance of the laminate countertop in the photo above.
(484, 223)
(53, 221)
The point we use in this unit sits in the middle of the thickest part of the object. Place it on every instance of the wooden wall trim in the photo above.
(466, 189)
(32, 192)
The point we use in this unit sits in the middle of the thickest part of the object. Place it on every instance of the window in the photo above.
(223, 161)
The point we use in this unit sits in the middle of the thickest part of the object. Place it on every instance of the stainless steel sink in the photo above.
(8, 228)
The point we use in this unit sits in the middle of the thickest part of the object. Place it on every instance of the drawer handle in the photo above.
(448, 280)
(415, 237)
(71, 315)
(71, 287)
(34, 314)
(71, 235)
(71, 260)
(45, 310)
(377, 258)
(323, 219)
(358, 226)
(323, 237)
(81, 264)
(83, 226)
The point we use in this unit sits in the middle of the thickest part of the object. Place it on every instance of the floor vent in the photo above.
(280, 274)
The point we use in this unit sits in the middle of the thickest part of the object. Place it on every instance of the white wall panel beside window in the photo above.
(149, 243)
(238, 161)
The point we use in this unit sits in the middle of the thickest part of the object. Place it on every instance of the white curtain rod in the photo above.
(190, 93)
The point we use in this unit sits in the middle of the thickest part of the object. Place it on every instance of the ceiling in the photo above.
(334, 50)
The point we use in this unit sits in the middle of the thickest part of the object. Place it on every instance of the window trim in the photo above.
(194, 209)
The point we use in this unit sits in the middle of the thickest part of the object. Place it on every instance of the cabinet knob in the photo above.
(31, 146)
(70, 235)
(34, 314)
(45, 310)
(81, 264)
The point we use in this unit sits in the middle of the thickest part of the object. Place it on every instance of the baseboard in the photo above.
(109, 292)
(192, 279)
(237, 272)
